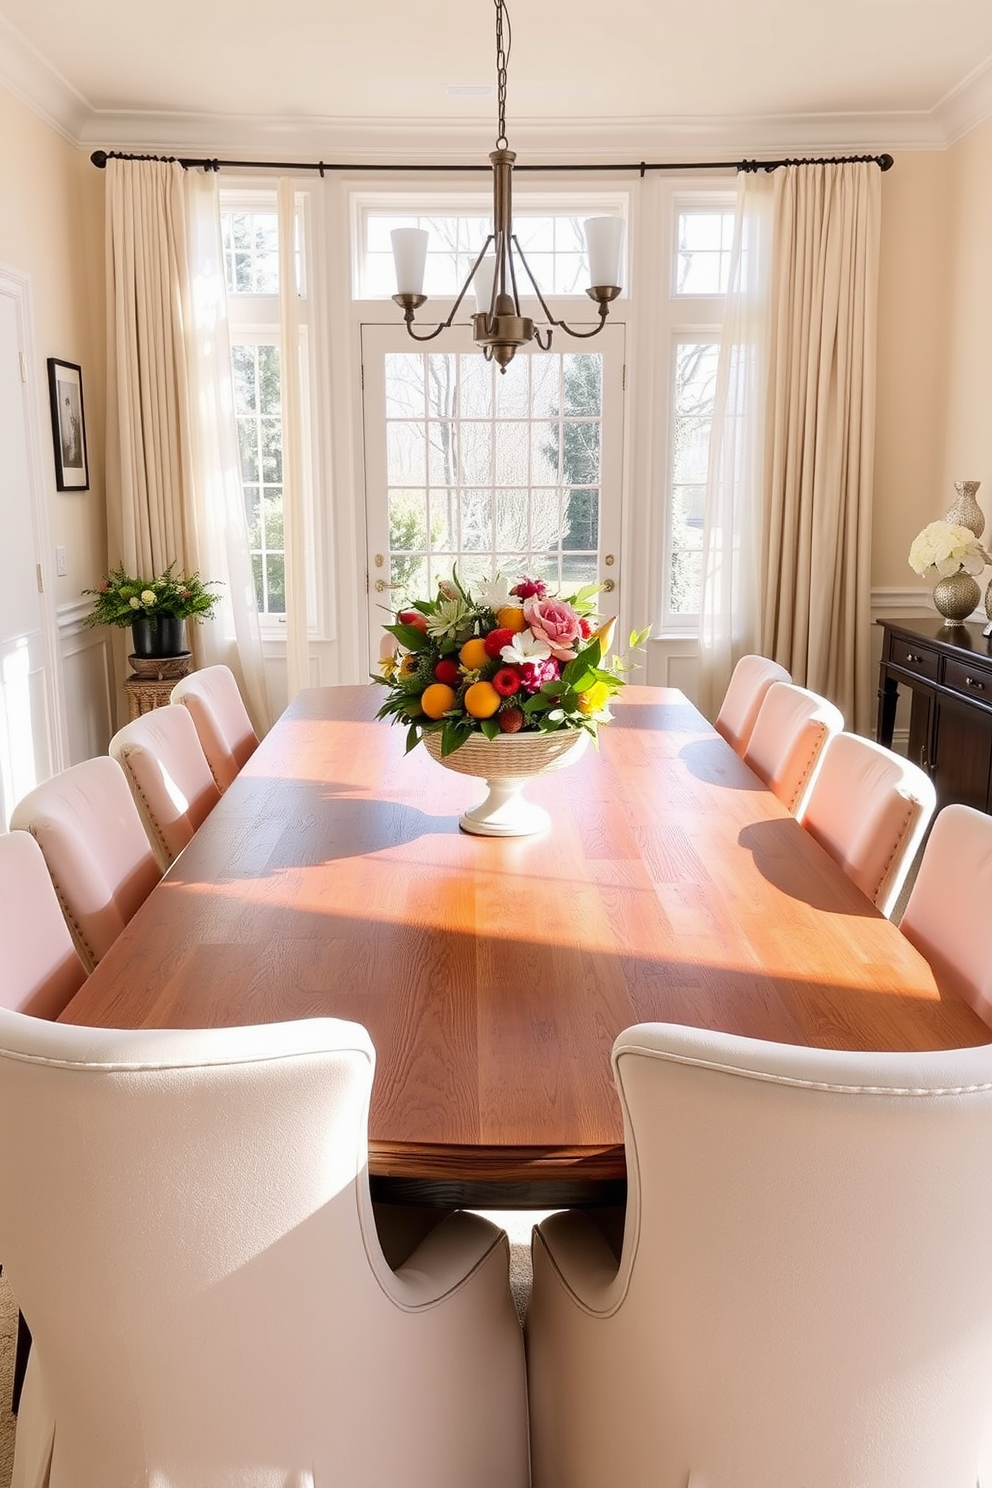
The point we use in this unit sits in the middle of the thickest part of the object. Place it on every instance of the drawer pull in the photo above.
(912, 657)
(974, 682)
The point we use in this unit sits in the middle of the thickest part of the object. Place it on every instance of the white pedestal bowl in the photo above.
(506, 764)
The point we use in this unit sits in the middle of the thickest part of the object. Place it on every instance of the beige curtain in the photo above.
(816, 582)
(293, 475)
(173, 476)
(806, 487)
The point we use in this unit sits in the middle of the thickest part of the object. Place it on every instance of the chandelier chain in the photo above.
(502, 58)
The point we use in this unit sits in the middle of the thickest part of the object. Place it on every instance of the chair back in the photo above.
(949, 901)
(752, 677)
(40, 969)
(186, 1223)
(787, 741)
(869, 808)
(171, 782)
(221, 720)
(95, 847)
(802, 1293)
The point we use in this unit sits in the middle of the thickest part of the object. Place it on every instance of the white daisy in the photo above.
(448, 618)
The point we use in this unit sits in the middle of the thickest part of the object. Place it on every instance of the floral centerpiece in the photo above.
(501, 659)
(951, 555)
(121, 598)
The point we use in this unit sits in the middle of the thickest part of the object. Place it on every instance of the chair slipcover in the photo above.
(801, 1298)
(40, 969)
(221, 719)
(946, 910)
(171, 782)
(869, 808)
(786, 743)
(97, 853)
(186, 1221)
(752, 677)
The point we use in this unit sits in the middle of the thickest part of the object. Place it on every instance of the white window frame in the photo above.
(682, 318)
(253, 320)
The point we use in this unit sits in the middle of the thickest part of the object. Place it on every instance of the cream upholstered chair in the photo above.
(171, 782)
(221, 719)
(40, 969)
(752, 677)
(786, 743)
(801, 1295)
(186, 1221)
(946, 909)
(97, 853)
(870, 809)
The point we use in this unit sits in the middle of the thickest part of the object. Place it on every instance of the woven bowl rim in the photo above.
(511, 755)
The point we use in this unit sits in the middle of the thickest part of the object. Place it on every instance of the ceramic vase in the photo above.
(956, 596)
(966, 512)
(161, 636)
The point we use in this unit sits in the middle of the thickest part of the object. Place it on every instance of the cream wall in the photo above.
(51, 227)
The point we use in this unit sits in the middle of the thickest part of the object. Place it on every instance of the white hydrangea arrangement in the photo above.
(943, 548)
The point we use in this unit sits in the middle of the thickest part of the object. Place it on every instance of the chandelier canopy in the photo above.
(498, 325)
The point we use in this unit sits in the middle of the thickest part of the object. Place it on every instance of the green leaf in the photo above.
(491, 728)
(410, 636)
(412, 737)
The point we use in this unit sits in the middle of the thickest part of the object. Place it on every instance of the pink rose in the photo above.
(534, 674)
(555, 622)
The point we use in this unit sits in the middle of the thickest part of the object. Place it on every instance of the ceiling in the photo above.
(405, 77)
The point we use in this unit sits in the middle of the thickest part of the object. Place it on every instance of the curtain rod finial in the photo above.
(99, 159)
(885, 162)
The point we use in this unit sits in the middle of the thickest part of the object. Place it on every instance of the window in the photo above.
(550, 235)
(250, 238)
(702, 237)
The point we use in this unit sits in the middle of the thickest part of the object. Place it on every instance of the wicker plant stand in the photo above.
(152, 680)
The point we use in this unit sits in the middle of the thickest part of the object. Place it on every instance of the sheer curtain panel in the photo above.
(173, 471)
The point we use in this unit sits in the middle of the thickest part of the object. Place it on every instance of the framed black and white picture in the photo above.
(65, 390)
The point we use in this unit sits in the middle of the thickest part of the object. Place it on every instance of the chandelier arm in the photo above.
(544, 345)
(429, 335)
(446, 324)
(604, 311)
(536, 287)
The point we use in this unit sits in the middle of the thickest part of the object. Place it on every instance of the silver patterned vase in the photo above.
(956, 597)
(966, 511)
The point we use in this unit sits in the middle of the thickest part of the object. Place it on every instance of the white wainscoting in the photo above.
(87, 674)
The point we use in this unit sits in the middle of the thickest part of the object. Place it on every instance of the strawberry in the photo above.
(511, 720)
(496, 640)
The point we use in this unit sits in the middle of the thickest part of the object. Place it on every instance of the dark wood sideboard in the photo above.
(949, 672)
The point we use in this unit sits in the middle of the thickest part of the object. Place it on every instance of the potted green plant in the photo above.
(155, 609)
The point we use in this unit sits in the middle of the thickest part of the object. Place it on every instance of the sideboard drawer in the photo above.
(969, 680)
(919, 660)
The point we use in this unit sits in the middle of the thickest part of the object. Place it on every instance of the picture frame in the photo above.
(65, 392)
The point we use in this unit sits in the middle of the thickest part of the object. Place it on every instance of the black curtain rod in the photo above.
(100, 157)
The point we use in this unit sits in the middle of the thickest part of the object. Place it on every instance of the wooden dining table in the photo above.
(494, 973)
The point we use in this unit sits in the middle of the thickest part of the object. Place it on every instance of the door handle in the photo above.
(608, 586)
(381, 586)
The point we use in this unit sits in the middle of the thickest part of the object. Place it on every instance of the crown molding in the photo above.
(34, 82)
(26, 75)
(967, 106)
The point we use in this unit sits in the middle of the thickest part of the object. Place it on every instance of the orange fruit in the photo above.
(473, 654)
(482, 700)
(511, 617)
(437, 699)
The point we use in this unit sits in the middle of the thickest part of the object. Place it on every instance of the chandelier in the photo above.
(498, 325)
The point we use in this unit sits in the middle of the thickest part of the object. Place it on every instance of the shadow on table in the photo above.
(772, 845)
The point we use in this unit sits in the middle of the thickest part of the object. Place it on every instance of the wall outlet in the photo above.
(61, 566)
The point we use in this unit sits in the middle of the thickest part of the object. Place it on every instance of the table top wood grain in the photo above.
(494, 973)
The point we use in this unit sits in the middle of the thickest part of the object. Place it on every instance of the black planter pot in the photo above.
(161, 636)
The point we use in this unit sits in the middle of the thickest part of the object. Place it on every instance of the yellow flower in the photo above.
(408, 664)
(387, 666)
(594, 699)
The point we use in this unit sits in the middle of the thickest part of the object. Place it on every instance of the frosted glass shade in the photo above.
(604, 244)
(409, 258)
(482, 284)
